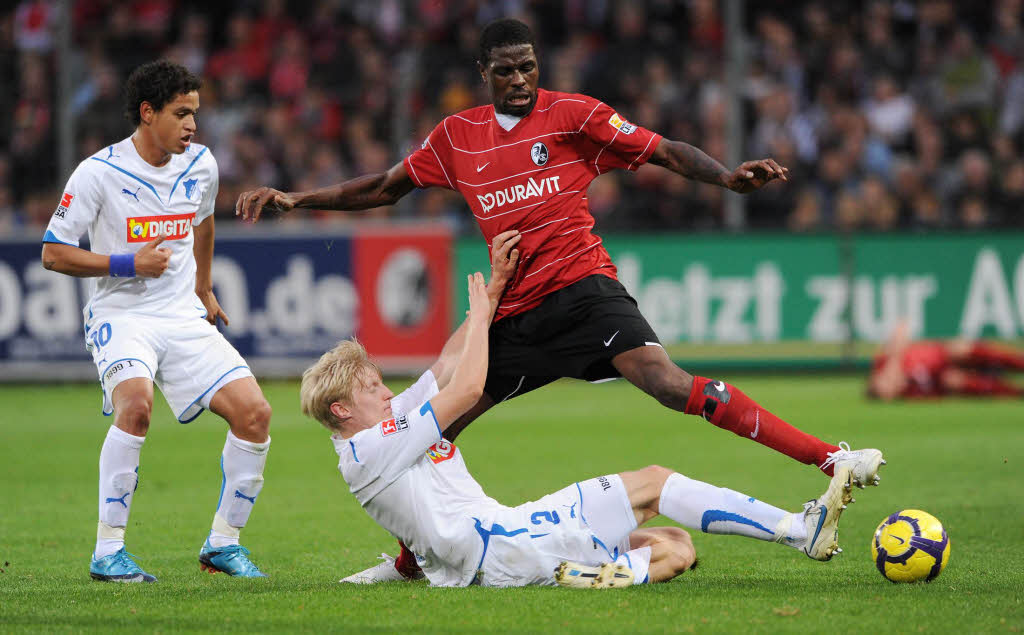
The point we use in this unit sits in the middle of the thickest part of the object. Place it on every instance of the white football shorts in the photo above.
(587, 522)
(187, 358)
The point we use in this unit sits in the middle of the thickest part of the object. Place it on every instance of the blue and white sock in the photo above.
(639, 560)
(242, 464)
(119, 477)
(718, 510)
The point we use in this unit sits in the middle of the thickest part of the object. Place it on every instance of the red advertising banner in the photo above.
(403, 278)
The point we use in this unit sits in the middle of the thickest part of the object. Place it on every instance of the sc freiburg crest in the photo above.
(539, 153)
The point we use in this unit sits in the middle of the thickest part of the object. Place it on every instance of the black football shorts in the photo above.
(575, 332)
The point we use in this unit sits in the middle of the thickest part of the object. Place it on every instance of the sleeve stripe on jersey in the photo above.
(415, 176)
(590, 246)
(630, 166)
(589, 116)
(559, 101)
(505, 178)
(424, 409)
(614, 137)
(508, 145)
(182, 175)
(50, 237)
(443, 171)
(120, 169)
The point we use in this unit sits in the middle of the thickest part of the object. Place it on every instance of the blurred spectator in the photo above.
(889, 113)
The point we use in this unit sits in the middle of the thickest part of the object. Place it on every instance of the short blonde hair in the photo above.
(332, 379)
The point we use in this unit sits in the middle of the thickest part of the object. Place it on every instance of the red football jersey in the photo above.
(534, 178)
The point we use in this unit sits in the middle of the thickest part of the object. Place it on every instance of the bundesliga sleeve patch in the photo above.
(142, 229)
(393, 426)
(621, 124)
(65, 203)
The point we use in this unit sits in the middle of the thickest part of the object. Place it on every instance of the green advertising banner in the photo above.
(811, 296)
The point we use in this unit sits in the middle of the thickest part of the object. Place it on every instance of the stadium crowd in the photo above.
(890, 114)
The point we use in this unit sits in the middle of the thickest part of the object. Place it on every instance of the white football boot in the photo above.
(820, 519)
(604, 576)
(863, 464)
(383, 572)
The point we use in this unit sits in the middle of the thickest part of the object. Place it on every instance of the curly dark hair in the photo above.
(158, 83)
(503, 32)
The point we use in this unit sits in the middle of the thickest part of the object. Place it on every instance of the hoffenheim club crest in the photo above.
(539, 153)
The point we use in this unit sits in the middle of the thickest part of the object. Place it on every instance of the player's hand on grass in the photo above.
(479, 301)
(151, 261)
(754, 175)
(250, 205)
(504, 259)
(213, 308)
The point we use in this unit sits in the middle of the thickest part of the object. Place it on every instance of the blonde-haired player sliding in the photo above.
(416, 485)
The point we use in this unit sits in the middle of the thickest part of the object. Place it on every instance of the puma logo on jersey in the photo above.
(517, 193)
(142, 229)
(134, 194)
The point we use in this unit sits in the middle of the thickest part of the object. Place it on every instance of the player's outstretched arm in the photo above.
(504, 259)
(148, 262)
(467, 383)
(364, 192)
(693, 163)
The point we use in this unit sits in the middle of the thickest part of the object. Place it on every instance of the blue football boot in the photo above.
(232, 560)
(118, 567)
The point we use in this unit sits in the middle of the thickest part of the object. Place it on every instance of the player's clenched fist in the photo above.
(151, 261)
(252, 203)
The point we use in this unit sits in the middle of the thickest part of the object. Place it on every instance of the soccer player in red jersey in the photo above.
(907, 369)
(524, 163)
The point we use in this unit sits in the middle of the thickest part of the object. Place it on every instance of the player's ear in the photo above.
(340, 411)
(146, 112)
(482, 70)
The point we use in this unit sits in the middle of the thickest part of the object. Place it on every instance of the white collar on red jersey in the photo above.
(507, 121)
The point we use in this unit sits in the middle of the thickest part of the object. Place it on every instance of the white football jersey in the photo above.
(416, 486)
(123, 202)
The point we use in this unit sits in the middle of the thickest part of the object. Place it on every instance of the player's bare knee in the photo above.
(254, 424)
(656, 475)
(132, 414)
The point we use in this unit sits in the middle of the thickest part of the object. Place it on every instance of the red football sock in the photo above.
(405, 563)
(986, 385)
(983, 354)
(727, 407)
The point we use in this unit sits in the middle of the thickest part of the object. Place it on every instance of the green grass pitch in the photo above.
(960, 460)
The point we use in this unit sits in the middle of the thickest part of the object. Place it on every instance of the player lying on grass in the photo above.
(416, 485)
(908, 369)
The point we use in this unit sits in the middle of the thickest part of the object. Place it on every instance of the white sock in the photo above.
(119, 476)
(639, 560)
(791, 530)
(717, 510)
(242, 464)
